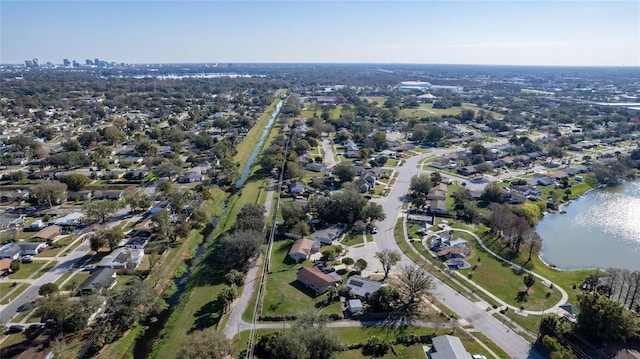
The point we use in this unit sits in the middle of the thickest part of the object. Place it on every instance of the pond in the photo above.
(599, 230)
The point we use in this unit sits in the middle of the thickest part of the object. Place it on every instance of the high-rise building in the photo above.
(35, 62)
(28, 63)
(66, 62)
(88, 62)
(76, 64)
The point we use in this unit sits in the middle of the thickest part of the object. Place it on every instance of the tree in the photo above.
(207, 343)
(360, 265)
(533, 244)
(47, 289)
(15, 265)
(412, 282)
(380, 140)
(375, 347)
(236, 248)
(434, 135)
(136, 199)
(373, 212)
(72, 146)
(234, 277)
(345, 171)
(288, 346)
(55, 306)
(250, 218)
(49, 192)
(169, 169)
(348, 261)
(109, 236)
(435, 177)
(492, 193)
(75, 181)
(421, 184)
(604, 320)
(113, 135)
(96, 242)
(226, 296)
(529, 280)
(102, 209)
(292, 214)
(384, 299)
(388, 259)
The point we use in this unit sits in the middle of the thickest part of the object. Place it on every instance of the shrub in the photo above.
(376, 347)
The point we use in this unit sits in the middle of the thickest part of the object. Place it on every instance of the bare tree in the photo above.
(49, 192)
(388, 259)
(412, 283)
(532, 244)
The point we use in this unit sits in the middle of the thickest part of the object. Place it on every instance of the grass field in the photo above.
(286, 296)
(61, 245)
(427, 110)
(352, 238)
(35, 269)
(249, 142)
(8, 298)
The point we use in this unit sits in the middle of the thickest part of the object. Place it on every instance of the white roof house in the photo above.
(71, 219)
(362, 287)
(448, 347)
(122, 258)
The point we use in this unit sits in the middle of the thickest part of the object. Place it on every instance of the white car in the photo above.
(478, 356)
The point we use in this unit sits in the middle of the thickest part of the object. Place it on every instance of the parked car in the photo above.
(89, 268)
(36, 326)
(27, 259)
(17, 328)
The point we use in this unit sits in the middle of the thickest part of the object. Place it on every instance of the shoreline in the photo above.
(562, 210)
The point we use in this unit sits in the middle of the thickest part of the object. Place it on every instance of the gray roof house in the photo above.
(447, 347)
(98, 280)
(362, 287)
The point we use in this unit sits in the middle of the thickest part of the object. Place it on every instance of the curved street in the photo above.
(468, 311)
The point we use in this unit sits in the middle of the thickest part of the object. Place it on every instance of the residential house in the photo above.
(327, 235)
(22, 248)
(366, 182)
(315, 167)
(467, 170)
(100, 279)
(361, 287)
(48, 233)
(122, 258)
(459, 251)
(78, 196)
(545, 180)
(137, 242)
(191, 177)
(11, 220)
(143, 228)
(71, 219)
(316, 280)
(110, 194)
(296, 187)
(301, 250)
(31, 248)
(447, 347)
(438, 206)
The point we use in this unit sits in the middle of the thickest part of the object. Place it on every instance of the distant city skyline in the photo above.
(548, 33)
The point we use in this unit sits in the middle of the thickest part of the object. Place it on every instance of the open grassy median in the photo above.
(16, 292)
(35, 269)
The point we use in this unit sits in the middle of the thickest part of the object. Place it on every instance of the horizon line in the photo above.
(334, 63)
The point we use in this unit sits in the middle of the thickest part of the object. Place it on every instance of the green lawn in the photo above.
(352, 238)
(8, 298)
(13, 339)
(28, 269)
(76, 280)
(59, 246)
(284, 294)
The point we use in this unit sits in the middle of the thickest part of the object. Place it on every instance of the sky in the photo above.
(565, 33)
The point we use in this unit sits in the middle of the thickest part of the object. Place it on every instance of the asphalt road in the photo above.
(512, 343)
(8, 311)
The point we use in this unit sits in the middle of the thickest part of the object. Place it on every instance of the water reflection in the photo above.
(601, 229)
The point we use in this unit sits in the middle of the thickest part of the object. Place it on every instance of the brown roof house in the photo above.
(317, 280)
(301, 250)
(48, 233)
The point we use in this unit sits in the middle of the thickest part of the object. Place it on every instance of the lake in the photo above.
(599, 230)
